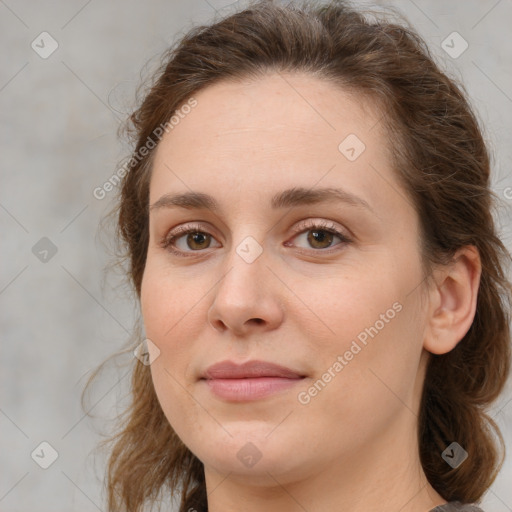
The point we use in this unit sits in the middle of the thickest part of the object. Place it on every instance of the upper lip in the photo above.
(231, 370)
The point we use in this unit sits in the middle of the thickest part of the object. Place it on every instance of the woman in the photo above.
(307, 217)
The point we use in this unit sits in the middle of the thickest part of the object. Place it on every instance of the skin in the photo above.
(353, 447)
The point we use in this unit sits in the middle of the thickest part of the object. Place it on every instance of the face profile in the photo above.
(307, 221)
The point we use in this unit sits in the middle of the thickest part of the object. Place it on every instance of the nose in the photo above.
(246, 298)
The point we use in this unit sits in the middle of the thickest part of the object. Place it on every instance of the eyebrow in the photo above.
(289, 198)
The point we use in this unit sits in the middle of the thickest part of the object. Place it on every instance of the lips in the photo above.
(251, 369)
(253, 380)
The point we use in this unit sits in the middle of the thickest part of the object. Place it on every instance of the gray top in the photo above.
(457, 506)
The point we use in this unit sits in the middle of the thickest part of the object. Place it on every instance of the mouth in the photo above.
(252, 380)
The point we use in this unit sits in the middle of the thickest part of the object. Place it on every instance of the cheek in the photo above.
(171, 322)
(168, 321)
(182, 412)
(167, 305)
(368, 358)
(364, 391)
(342, 308)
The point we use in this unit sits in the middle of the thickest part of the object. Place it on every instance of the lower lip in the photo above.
(241, 390)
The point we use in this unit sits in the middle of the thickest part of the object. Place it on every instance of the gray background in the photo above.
(59, 117)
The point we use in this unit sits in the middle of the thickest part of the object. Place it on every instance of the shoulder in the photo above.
(457, 506)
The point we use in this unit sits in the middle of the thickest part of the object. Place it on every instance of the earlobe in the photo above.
(453, 301)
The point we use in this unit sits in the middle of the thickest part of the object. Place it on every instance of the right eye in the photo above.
(194, 236)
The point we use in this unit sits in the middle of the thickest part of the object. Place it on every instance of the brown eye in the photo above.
(185, 240)
(196, 240)
(319, 238)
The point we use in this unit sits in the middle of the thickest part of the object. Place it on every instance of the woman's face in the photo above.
(326, 286)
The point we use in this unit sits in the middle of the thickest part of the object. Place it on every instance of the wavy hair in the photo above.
(439, 156)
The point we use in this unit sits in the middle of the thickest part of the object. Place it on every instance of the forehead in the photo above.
(278, 102)
(270, 132)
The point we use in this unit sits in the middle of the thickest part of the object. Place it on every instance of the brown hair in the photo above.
(443, 163)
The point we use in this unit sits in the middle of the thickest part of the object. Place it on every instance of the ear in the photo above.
(452, 303)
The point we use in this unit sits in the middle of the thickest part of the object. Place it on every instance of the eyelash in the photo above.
(167, 241)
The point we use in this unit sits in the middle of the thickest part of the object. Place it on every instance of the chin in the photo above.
(251, 453)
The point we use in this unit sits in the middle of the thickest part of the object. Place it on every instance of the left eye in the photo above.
(321, 238)
(320, 235)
